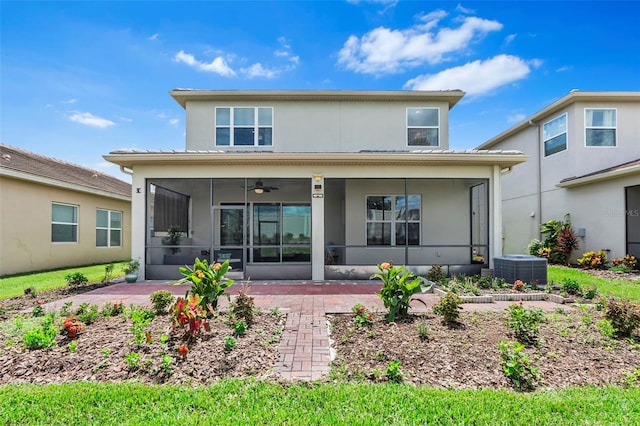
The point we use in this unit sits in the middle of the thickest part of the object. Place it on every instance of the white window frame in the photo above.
(108, 228)
(231, 126)
(555, 135)
(77, 209)
(437, 127)
(614, 128)
(393, 221)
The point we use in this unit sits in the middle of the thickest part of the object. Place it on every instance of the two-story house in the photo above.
(584, 152)
(316, 185)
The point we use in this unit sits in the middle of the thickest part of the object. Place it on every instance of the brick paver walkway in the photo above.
(304, 350)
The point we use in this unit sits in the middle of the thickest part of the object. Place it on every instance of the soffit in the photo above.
(418, 158)
(182, 96)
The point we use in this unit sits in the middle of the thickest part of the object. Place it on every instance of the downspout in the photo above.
(539, 176)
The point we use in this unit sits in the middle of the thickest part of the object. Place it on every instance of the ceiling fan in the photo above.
(259, 188)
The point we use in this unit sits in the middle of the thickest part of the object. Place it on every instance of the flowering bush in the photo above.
(398, 286)
(189, 315)
(71, 327)
(208, 281)
(593, 260)
(363, 316)
(518, 285)
(628, 261)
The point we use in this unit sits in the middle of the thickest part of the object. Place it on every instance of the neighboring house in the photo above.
(316, 185)
(55, 214)
(584, 154)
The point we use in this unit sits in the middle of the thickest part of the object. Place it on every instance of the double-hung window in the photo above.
(393, 220)
(108, 228)
(64, 223)
(244, 126)
(554, 135)
(423, 126)
(600, 126)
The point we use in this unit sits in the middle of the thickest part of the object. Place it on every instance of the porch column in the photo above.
(496, 208)
(317, 228)
(138, 222)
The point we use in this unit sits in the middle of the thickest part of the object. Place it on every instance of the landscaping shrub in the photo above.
(87, 313)
(189, 315)
(559, 243)
(627, 263)
(571, 286)
(394, 371)
(436, 273)
(161, 300)
(398, 286)
(42, 336)
(71, 327)
(111, 309)
(524, 322)
(593, 260)
(31, 291)
(243, 306)
(624, 316)
(208, 282)
(363, 317)
(76, 279)
(449, 307)
(517, 366)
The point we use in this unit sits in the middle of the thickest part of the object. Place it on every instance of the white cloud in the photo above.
(89, 119)
(462, 9)
(218, 65)
(475, 78)
(125, 119)
(257, 70)
(153, 37)
(564, 68)
(508, 39)
(69, 101)
(515, 118)
(174, 122)
(384, 50)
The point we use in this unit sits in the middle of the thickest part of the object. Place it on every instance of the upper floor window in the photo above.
(243, 126)
(64, 223)
(600, 127)
(393, 220)
(108, 228)
(554, 135)
(423, 125)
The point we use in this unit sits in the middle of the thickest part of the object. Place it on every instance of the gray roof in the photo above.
(38, 165)
(619, 167)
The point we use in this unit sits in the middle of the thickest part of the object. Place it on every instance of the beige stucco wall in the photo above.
(25, 228)
(338, 126)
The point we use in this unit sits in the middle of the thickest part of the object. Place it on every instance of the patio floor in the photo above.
(304, 347)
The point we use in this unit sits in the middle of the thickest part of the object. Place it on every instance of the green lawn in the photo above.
(15, 285)
(613, 288)
(255, 402)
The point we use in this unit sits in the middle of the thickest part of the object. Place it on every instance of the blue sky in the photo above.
(81, 79)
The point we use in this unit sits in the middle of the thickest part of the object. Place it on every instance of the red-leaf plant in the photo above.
(190, 316)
